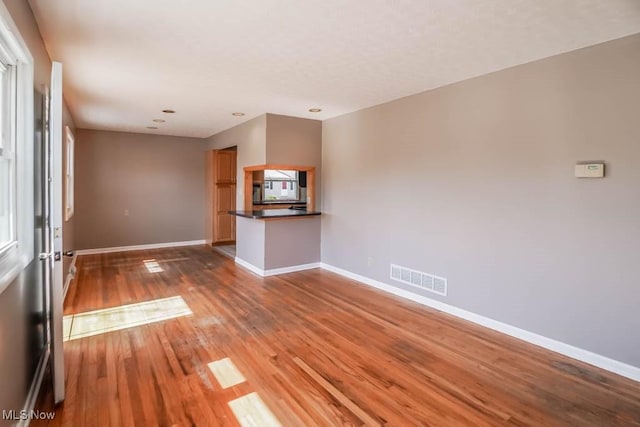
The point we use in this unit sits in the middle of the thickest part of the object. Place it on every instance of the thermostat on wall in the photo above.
(590, 170)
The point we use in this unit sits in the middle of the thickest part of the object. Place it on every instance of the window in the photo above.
(281, 185)
(68, 208)
(7, 150)
(17, 209)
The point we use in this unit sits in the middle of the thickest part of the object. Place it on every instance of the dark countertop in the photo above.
(279, 202)
(275, 213)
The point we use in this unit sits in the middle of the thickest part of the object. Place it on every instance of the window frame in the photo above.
(16, 255)
(69, 181)
(8, 81)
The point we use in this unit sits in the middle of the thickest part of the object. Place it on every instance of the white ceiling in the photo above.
(126, 60)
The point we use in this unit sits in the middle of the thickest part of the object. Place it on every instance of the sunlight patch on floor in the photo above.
(226, 372)
(97, 322)
(66, 325)
(251, 411)
(152, 266)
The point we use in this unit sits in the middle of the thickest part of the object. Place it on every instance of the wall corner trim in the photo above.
(275, 271)
(611, 365)
(139, 247)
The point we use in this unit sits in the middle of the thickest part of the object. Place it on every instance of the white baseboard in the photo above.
(70, 275)
(252, 268)
(292, 269)
(140, 247)
(586, 356)
(34, 390)
(275, 271)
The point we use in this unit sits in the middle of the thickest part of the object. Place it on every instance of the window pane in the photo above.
(280, 174)
(69, 174)
(5, 104)
(281, 190)
(6, 158)
(5, 202)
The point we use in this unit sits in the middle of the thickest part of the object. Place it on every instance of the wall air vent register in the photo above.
(418, 279)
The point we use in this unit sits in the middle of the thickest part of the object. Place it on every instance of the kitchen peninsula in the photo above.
(278, 230)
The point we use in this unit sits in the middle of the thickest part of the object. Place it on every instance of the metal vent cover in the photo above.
(419, 279)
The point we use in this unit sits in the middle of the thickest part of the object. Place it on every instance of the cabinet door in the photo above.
(225, 201)
(225, 166)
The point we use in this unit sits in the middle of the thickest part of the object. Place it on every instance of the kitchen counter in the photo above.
(275, 213)
(279, 202)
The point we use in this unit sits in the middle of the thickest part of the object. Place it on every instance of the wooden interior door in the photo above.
(222, 171)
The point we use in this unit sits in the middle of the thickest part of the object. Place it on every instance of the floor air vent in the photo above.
(421, 280)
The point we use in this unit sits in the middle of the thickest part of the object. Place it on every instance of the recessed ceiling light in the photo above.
(238, 114)
(152, 127)
(158, 120)
(315, 110)
(169, 111)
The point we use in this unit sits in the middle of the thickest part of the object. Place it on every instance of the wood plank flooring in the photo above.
(316, 348)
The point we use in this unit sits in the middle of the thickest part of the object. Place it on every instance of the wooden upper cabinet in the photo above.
(225, 166)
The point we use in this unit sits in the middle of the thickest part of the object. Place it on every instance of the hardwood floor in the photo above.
(316, 348)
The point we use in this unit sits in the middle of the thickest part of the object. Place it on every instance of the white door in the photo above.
(53, 213)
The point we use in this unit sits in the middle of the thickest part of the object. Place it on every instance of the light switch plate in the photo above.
(590, 170)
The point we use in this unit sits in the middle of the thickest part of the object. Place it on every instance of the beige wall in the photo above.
(291, 242)
(250, 241)
(293, 140)
(135, 189)
(474, 182)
